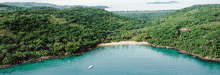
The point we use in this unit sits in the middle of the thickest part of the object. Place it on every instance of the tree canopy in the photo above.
(45, 31)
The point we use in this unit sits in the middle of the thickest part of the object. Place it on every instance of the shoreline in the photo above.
(207, 58)
(123, 43)
(157, 46)
(40, 59)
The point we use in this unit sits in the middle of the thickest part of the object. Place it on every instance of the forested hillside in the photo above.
(145, 15)
(194, 29)
(46, 31)
(35, 4)
(5, 8)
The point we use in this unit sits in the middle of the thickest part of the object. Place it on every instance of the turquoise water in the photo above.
(120, 60)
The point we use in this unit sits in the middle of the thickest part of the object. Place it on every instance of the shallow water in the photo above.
(120, 60)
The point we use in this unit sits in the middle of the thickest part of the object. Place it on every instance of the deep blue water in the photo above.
(120, 60)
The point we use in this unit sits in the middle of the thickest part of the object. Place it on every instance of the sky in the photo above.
(111, 2)
(125, 5)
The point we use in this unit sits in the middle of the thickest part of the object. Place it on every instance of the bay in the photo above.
(120, 60)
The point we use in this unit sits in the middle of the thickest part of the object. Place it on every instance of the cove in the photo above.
(120, 60)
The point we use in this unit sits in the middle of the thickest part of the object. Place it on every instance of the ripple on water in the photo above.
(126, 60)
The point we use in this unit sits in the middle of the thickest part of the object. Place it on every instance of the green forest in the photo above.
(46, 31)
(6, 8)
(36, 4)
(194, 29)
(144, 15)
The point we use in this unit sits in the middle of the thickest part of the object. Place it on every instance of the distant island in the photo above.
(35, 4)
(162, 2)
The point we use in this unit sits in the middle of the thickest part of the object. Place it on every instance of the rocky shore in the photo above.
(35, 60)
(109, 44)
(40, 59)
(182, 51)
(157, 46)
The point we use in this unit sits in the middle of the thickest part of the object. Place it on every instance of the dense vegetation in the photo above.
(202, 36)
(5, 8)
(144, 15)
(35, 4)
(43, 31)
(195, 29)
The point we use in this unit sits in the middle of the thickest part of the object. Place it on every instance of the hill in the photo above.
(34, 4)
(194, 29)
(158, 2)
(46, 31)
(4, 8)
(145, 15)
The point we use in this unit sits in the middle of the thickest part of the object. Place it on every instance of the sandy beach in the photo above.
(123, 43)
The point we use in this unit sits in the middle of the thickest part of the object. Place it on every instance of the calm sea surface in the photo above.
(144, 6)
(120, 60)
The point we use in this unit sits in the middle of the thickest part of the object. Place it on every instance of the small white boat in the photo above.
(90, 66)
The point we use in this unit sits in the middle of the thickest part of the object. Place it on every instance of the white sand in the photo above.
(124, 43)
